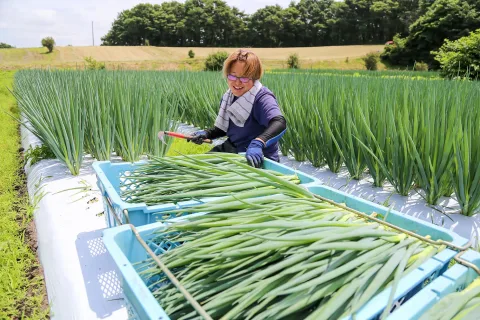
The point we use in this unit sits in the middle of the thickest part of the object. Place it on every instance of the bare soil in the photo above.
(71, 55)
(36, 289)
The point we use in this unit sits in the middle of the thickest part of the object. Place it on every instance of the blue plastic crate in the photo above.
(109, 178)
(397, 218)
(414, 281)
(126, 251)
(454, 279)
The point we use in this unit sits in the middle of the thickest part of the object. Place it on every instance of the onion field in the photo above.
(409, 132)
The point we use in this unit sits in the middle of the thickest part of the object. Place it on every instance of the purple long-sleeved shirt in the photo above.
(265, 107)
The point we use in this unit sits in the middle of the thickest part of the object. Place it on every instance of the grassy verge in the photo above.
(22, 290)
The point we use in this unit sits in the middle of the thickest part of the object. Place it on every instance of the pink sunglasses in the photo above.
(231, 77)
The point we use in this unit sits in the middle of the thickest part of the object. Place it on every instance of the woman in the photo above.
(249, 114)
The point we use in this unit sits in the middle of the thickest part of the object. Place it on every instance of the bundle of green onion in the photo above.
(280, 257)
(458, 305)
(173, 179)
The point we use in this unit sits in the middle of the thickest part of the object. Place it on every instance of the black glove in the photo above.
(198, 137)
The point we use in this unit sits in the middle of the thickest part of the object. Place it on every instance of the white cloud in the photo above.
(24, 22)
(43, 17)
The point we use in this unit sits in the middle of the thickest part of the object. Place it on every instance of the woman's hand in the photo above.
(254, 153)
(198, 137)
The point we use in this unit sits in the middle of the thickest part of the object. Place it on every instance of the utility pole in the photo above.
(93, 39)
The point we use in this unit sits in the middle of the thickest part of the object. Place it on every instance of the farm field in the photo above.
(370, 209)
(412, 131)
(171, 58)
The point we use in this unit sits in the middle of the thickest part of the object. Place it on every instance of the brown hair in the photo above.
(253, 65)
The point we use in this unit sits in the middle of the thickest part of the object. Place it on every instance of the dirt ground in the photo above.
(34, 304)
(163, 55)
(37, 289)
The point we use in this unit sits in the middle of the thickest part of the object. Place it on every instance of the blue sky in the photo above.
(23, 23)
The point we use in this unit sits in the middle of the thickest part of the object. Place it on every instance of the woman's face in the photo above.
(238, 87)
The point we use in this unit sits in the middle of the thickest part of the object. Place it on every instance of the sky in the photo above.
(23, 23)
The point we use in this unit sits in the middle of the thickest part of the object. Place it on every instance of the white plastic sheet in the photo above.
(81, 279)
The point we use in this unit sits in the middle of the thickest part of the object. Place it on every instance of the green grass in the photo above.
(21, 284)
(25, 55)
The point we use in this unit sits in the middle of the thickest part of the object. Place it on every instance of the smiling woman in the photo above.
(249, 113)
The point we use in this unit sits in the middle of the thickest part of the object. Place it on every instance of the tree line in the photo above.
(417, 27)
(214, 23)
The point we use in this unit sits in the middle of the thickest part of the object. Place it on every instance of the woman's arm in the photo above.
(268, 114)
(215, 133)
(212, 133)
(275, 130)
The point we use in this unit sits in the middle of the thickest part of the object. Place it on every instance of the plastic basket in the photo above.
(126, 251)
(109, 179)
(414, 281)
(397, 218)
(454, 279)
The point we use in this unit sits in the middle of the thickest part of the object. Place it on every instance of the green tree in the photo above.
(5, 46)
(360, 22)
(265, 26)
(169, 22)
(219, 23)
(315, 16)
(303, 23)
(132, 27)
(241, 34)
(49, 43)
(215, 61)
(292, 28)
(370, 21)
(396, 16)
(444, 19)
(460, 58)
(371, 61)
(395, 54)
(195, 21)
(338, 27)
(293, 61)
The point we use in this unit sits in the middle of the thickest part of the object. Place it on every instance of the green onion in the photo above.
(414, 132)
(180, 178)
(458, 305)
(292, 258)
(50, 102)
